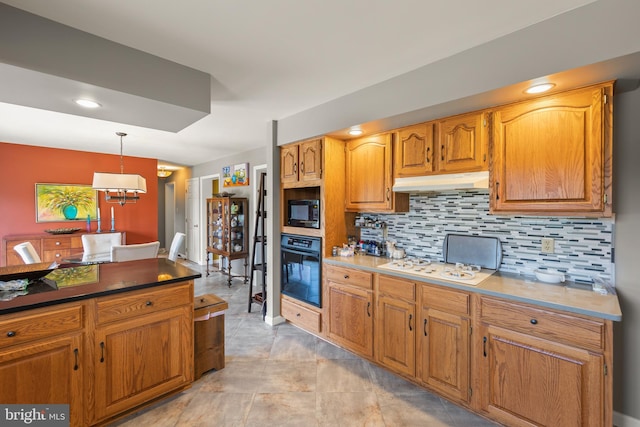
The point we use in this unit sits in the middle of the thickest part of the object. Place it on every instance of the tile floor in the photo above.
(282, 376)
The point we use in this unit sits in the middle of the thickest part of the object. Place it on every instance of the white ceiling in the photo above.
(268, 60)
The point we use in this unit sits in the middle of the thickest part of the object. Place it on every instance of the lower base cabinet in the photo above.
(517, 363)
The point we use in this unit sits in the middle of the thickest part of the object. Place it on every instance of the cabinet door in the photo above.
(351, 318)
(395, 334)
(552, 154)
(142, 358)
(368, 180)
(532, 381)
(413, 151)
(289, 163)
(310, 153)
(443, 353)
(463, 143)
(47, 372)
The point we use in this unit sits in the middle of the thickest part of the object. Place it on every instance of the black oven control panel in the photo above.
(290, 241)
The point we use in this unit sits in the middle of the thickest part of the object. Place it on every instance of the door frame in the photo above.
(203, 214)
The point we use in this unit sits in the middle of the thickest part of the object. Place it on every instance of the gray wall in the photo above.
(626, 196)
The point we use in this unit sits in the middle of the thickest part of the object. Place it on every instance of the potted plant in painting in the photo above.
(66, 200)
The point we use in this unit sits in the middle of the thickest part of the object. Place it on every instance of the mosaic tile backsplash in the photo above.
(583, 246)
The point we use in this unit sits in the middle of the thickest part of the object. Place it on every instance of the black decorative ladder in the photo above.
(259, 240)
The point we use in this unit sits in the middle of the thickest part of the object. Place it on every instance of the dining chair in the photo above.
(27, 252)
(97, 247)
(176, 243)
(133, 252)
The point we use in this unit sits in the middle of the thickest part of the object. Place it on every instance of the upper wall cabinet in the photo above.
(369, 176)
(301, 163)
(553, 155)
(463, 143)
(413, 150)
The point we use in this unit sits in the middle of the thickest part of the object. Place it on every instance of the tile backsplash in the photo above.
(583, 246)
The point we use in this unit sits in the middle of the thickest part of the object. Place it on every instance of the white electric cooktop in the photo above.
(458, 273)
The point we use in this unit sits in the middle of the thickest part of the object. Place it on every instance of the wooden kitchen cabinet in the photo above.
(301, 163)
(396, 324)
(350, 308)
(41, 358)
(413, 150)
(443, 341)
(143, 347)
(463, 143)
(542, 367)
(369, 176)
(553, 155)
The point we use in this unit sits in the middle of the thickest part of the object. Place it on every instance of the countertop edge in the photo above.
(353, 262)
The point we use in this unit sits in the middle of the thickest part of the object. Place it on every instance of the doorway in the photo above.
(169, 213)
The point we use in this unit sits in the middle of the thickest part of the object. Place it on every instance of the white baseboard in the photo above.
(621, 420)
(273, 321)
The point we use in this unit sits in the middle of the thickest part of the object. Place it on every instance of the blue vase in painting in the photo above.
(70, 212)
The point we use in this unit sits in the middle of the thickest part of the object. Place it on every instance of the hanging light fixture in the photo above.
(119, 187)
(163, 172)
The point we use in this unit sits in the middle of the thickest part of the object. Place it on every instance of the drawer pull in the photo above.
(346, 276)
(425, 327)
(75, 352)
(368, 312)
(148, 303)
(57, 243)
(410, 319)
(297, 314)
(484, 346)
(102, 352)
(11, 334)
(534, 322)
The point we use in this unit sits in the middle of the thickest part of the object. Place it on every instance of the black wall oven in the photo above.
(301, 265)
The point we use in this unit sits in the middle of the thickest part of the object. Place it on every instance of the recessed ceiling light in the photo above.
(355, 132)
(87, 103)
(540, 88)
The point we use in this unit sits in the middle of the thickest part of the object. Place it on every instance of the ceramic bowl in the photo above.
(549, 276)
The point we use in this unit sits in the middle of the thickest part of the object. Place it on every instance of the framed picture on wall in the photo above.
(65, 202)
(235, 176)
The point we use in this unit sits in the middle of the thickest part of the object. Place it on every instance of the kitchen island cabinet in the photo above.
(553, 155)
(105, 346)
(396, 324)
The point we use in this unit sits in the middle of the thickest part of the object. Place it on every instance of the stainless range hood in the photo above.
(453, 181)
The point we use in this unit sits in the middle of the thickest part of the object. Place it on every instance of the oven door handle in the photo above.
(293, 251)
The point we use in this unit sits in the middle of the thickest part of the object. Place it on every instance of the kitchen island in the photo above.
(510, 348)
(111, 338)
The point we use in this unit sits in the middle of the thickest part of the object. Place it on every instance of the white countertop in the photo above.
(509, 286)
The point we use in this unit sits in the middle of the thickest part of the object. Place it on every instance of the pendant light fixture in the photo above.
(120, 187)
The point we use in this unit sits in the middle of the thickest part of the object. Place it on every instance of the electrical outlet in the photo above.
(548, 245)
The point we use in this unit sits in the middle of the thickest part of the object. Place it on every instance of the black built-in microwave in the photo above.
(303, 213)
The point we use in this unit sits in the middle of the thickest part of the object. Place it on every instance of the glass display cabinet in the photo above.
(227, 237)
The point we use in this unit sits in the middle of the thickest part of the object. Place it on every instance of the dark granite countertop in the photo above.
(78, 282)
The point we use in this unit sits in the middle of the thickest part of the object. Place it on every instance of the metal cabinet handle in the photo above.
(75, 352)
(484, 346)
(442, 152)
(346, 276)
(295, 168)
(534, 321)
(301, 167)
(427, 156)
(368, 307)
(497, 190)
(410, 319)
(424, 327)
(388, 194)
(148, 303)
(11, 334)
(102, 352)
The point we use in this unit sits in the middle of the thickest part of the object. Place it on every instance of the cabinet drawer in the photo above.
(301, 316)
(38, 324)
(58, 243)
(448, 300)
(586, 333)
(349, 276)
(395, 287)
(56, 255)
(142, 302)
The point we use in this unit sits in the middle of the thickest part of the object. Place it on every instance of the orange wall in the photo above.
(22, 166)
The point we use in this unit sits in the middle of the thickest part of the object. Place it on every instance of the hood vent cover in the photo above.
(454, 181)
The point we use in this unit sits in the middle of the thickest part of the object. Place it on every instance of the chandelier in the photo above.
(120, 187)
